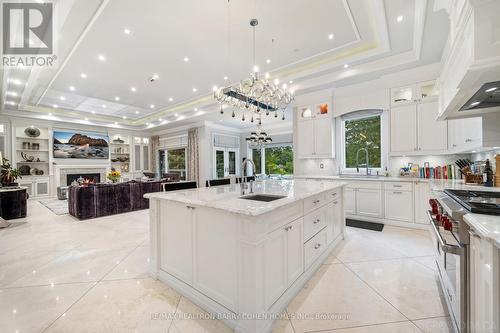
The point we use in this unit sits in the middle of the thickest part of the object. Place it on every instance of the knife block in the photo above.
(472, 178)
(497, 170)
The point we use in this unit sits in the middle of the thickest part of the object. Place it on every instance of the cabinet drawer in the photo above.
(398, 186)
(364, 184)
(314, 202)
(332, 195)
(282, 216)
(314, 222)
(314, 247)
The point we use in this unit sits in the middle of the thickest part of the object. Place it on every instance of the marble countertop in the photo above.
(458, 184)
(373, 179)
(486, 226)
(227, 197)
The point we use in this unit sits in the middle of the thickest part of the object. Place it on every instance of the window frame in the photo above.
(263, 155)
(185, 157)
(383, 146)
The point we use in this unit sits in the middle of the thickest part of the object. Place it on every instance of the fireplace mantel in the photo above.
(60, 171)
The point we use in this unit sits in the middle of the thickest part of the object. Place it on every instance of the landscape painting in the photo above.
(80, 145)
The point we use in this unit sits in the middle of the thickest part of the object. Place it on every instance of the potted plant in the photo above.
(8, 174)
(114, 175)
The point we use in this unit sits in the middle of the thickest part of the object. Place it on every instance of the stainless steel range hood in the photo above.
(488, 96)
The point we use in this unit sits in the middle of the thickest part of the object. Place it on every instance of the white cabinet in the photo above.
(284, 259)
(466, 134)
(399, 205)
(484, 285)
(315, 132)
(35, 187)
(422, 195)
(415, 130)
(418, 92)
(403, 128)
(333, 219)
(176, 252)
(350, 201)
(369, 202)
(141, 154)
(432, 134)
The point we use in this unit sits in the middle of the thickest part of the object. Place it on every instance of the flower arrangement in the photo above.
(114, 175)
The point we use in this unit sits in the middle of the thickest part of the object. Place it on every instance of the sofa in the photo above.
(86, 202)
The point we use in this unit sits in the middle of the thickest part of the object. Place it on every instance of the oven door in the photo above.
(448, 254)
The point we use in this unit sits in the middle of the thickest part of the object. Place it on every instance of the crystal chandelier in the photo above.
(258, 138)
(254, 95)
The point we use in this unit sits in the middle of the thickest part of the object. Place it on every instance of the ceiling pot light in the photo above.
(154, 77)
(136, 112)
(186, 59)
(50, 113)
(331, 36)
(225, 78)
(93, 112)
(346, 66)
(195, 90)
(55, 106)
(399, 18)
(133, 89)
(214, 88)
(72, 88)
(62, 98)
(83, 76)
(268, 61)
(126, 31)
(104, 106)
(176, 115)
(86, 119)
(170, 99)
(124, 117)
(290, 82)
(152, 106)
(117, 98)
(101, 57)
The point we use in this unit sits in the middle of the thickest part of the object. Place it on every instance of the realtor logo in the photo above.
(27, 30)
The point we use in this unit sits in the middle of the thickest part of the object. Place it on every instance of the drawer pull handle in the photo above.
(397, 185)
(190, 207)
(317, 246)
(397, 192)
(316, 221)
(334, 194)
(288, 228)
(335, 202)
(316, 201)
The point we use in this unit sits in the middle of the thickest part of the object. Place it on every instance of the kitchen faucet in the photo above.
(243, 184)
(366, 160)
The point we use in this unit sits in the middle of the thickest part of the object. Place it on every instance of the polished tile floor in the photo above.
(61, 275)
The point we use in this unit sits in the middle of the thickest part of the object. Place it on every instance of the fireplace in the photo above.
(95, 177)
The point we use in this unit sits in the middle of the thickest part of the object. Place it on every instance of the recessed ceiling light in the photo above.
(267, 75)
(116, 123)
(225, 78)
(101, 57)
(152, 106)
(255, 68)
(290, 82)
(55, 106)
(155, 77)
(195, 90)
(491, 89)
(147, 124)
(399, 18)
(62, 98)
(160, 119)
(346, 65)
(474, 103)
(176, 115)
(93, 112)
(268, 61)
(117, 98)
(214, 88)
(124, 117)
(83, 75)
(86, 119)
(186, 59)
(72, 88)
(133, 89)
(11, 93)
(196, 109)
(136, 112)
(331, 36)
(104, 106)
(276, 81)
(170, 99)
(50, 113)
(16, 82)
(126, 31)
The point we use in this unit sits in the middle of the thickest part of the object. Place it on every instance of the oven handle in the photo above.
(452, 249)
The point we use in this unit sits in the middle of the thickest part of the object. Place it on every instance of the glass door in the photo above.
(232, 162)
(226, 162)
(220, 169)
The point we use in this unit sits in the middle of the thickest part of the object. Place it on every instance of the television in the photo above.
(84, 145)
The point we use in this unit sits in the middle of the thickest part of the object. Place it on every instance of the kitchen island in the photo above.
(243, 256)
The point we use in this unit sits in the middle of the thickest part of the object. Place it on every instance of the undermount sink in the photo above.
(263, 197)
(359, 176)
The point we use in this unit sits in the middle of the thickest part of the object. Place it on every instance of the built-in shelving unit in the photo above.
(119, 148)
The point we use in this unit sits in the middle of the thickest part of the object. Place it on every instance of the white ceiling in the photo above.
(217, 39)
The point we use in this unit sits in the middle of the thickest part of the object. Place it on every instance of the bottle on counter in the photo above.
(488, 174)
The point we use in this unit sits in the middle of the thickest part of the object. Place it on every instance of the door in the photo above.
(305, 138)
(275, 262)
(432, 134)
(323, 137)
(176, 230)
(226, 162)
(404, 128)
(295, 251)
(399, 206)
(422, 196)
(145, 158)
(232, 161)
(368, 202)
(219, 167)
(350, 201)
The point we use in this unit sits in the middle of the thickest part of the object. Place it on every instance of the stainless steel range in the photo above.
(451, 240)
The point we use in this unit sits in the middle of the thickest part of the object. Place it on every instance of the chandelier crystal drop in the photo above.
(254, 94)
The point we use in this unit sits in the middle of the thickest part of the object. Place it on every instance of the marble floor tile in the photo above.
(406, 284)
(135, 266)
(74, 266)
(427, 261)
(400, 327)
(435, 325)
(33, 309)
(191, 318)
(143, 305)
(341, 299)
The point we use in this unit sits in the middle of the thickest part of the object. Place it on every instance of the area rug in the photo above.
(58, 207)
(364, 225)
